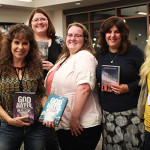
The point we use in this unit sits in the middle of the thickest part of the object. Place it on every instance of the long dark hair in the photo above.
(32, 59)
(123, 29)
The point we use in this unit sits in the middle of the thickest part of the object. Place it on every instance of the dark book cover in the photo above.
(23, 105)
(110, 75)
(43, 47)
(53, 109)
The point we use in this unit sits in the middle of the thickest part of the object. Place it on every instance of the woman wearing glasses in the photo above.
(44, 31)
(21, 71)
(73, 76)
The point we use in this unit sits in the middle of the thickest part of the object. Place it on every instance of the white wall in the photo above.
(59, 22)
(14, 15)
(22, 16)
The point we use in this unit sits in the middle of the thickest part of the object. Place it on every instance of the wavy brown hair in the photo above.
(87, 41)
(51, 29)
(33, 60)
(123, 29)
(1, 39)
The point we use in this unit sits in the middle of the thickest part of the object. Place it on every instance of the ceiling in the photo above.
(51, 5)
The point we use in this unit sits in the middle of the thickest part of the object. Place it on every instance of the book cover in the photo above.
(43, 47)
(53, 109)
(23, 105)
(110, 75)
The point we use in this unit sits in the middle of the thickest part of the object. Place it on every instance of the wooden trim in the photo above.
(132, 17)
(117, 12)
(89, 26)
(105, 6)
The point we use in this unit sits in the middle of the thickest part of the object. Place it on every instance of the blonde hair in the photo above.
(145, 68)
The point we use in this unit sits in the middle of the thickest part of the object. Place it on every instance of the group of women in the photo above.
(74, 70)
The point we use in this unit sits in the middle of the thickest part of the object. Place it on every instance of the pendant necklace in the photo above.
(112, 60)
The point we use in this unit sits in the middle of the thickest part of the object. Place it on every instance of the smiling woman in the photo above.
(74, 41)
(19, 48)
(44, 33)
(122, 128)
(21, 71)
(113, 39)
(73, 76)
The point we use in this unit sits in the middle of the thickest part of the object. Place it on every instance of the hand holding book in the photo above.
(110, 76)
(19, 121)
(23, 105)
(53, 110)
(120, 89)
(47, 65)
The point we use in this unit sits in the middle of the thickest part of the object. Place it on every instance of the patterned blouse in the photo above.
(10, 84)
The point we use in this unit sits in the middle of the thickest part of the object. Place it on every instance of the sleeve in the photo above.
(85, 68)
(138, 61)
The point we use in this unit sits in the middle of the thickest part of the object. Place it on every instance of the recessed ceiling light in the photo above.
(141, 13)
(25, 0)
(77, 4)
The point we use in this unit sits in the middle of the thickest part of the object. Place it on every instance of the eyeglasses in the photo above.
(36, 20)
(76, 36)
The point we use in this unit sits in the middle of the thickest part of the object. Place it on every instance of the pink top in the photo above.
(50, 80)
(79, 69)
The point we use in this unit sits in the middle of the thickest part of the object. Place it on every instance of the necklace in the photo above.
(20, 76)
(112, 60)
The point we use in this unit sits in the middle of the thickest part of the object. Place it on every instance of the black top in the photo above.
(130, 64)
(54, 50)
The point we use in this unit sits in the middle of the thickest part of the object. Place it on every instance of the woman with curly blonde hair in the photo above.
(144, 98)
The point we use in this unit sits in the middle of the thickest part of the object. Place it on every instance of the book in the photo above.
(23, 105)
(110, 75)
(43, 47)
(53, 109)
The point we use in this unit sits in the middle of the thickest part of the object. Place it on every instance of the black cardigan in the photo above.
(54, 50)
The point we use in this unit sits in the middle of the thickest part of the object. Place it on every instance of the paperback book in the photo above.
(23, 105)
(110, 75)
(53, 109)
(43, 47)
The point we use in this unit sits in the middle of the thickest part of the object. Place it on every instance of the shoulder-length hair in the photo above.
(87, 41)
(123, 29)
(32, 59)
(145, 68)
(51, 29)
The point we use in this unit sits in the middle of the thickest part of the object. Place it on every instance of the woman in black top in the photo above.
(44, 31)
(122, 129)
